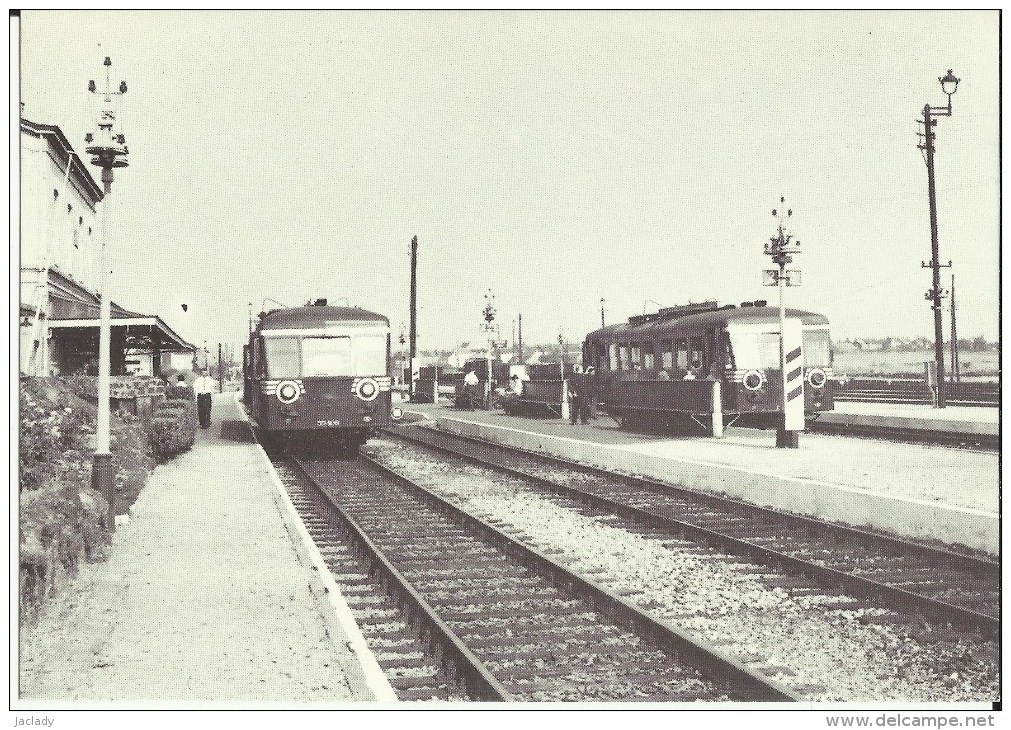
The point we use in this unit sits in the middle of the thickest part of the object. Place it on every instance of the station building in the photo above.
(60, 277)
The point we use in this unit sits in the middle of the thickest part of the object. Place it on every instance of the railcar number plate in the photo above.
(328, 423)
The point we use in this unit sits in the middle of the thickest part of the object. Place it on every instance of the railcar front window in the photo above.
(282, 357)
(326, 356)
(758, 350)
(817, 348)
(370, 355)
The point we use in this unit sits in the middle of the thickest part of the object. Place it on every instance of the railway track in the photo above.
(456, 608)
(975, 442)
(911, 579)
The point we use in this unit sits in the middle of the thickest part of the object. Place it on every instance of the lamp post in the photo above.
(108, 150)
(949, 84)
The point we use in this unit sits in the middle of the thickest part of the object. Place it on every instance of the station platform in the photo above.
(209, 595)
(910, 490)
(963, 420)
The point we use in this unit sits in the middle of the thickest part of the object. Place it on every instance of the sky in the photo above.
(553, 158)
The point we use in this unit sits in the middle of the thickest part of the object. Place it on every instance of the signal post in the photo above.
(781, 249)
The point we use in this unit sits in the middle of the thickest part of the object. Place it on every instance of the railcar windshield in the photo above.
(817, 348)
(326, 356)
(370, 355)
(281, 354)
(758, 350)
(330, 356)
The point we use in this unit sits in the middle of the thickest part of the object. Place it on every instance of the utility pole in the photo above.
(955, 375)
(519, 335)
(781, 250)
(561, 355)
(221, 373)
(109, 151)
(935, 294)
(414, 315)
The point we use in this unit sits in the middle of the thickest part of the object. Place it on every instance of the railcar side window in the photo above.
(614, 356)
(623, 357)
(697, 353)
(682, 354)
(636, 356)
(370, 355)
(326, 356)
(667, 357)
(282, 357)
(648, 356)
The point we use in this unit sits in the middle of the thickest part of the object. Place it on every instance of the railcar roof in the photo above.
(313, 317)
(706, 320)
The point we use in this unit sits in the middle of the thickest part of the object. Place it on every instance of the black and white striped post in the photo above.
(781, 249)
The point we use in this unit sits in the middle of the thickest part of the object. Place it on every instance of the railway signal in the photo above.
(492, 331)
(781, 248)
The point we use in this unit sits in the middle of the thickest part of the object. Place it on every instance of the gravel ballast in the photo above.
(815, 643)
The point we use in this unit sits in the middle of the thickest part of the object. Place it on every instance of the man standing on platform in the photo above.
(203, 386)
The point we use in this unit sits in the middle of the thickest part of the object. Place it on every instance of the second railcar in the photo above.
(658, 369)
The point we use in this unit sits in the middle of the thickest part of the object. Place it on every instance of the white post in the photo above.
(104, 331)
(565, 400)
(717, 410)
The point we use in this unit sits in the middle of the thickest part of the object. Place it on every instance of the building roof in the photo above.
(59, 143)
(73, 306)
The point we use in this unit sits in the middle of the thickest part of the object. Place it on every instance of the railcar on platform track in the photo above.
(319, 376)
(661, 369)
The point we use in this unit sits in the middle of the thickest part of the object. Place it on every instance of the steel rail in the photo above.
(858, 585)
(703, 655)
(478, 681)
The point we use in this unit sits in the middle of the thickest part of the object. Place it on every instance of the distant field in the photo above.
(911, 363)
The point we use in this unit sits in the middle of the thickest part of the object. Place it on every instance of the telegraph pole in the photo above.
(109, 152)
(519, 335)
(935, 294)
(414, 315)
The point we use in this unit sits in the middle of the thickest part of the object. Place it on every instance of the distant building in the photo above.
(60, 277)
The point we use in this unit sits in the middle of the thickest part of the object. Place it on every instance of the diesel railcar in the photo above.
(319, 375)
(659, 369)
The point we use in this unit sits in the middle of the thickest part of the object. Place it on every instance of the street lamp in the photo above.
(109, 151)
(935, 294)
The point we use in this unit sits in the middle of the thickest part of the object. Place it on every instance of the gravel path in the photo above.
(201, 599)
(827, 654)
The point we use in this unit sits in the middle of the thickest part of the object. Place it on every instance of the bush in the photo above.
(173, 427)
(62, 517)
(180, 393)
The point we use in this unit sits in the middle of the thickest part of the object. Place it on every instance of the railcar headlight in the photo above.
(817, 378)
(287, 392)
(397, 413)
(753, 380)
(367, 389)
